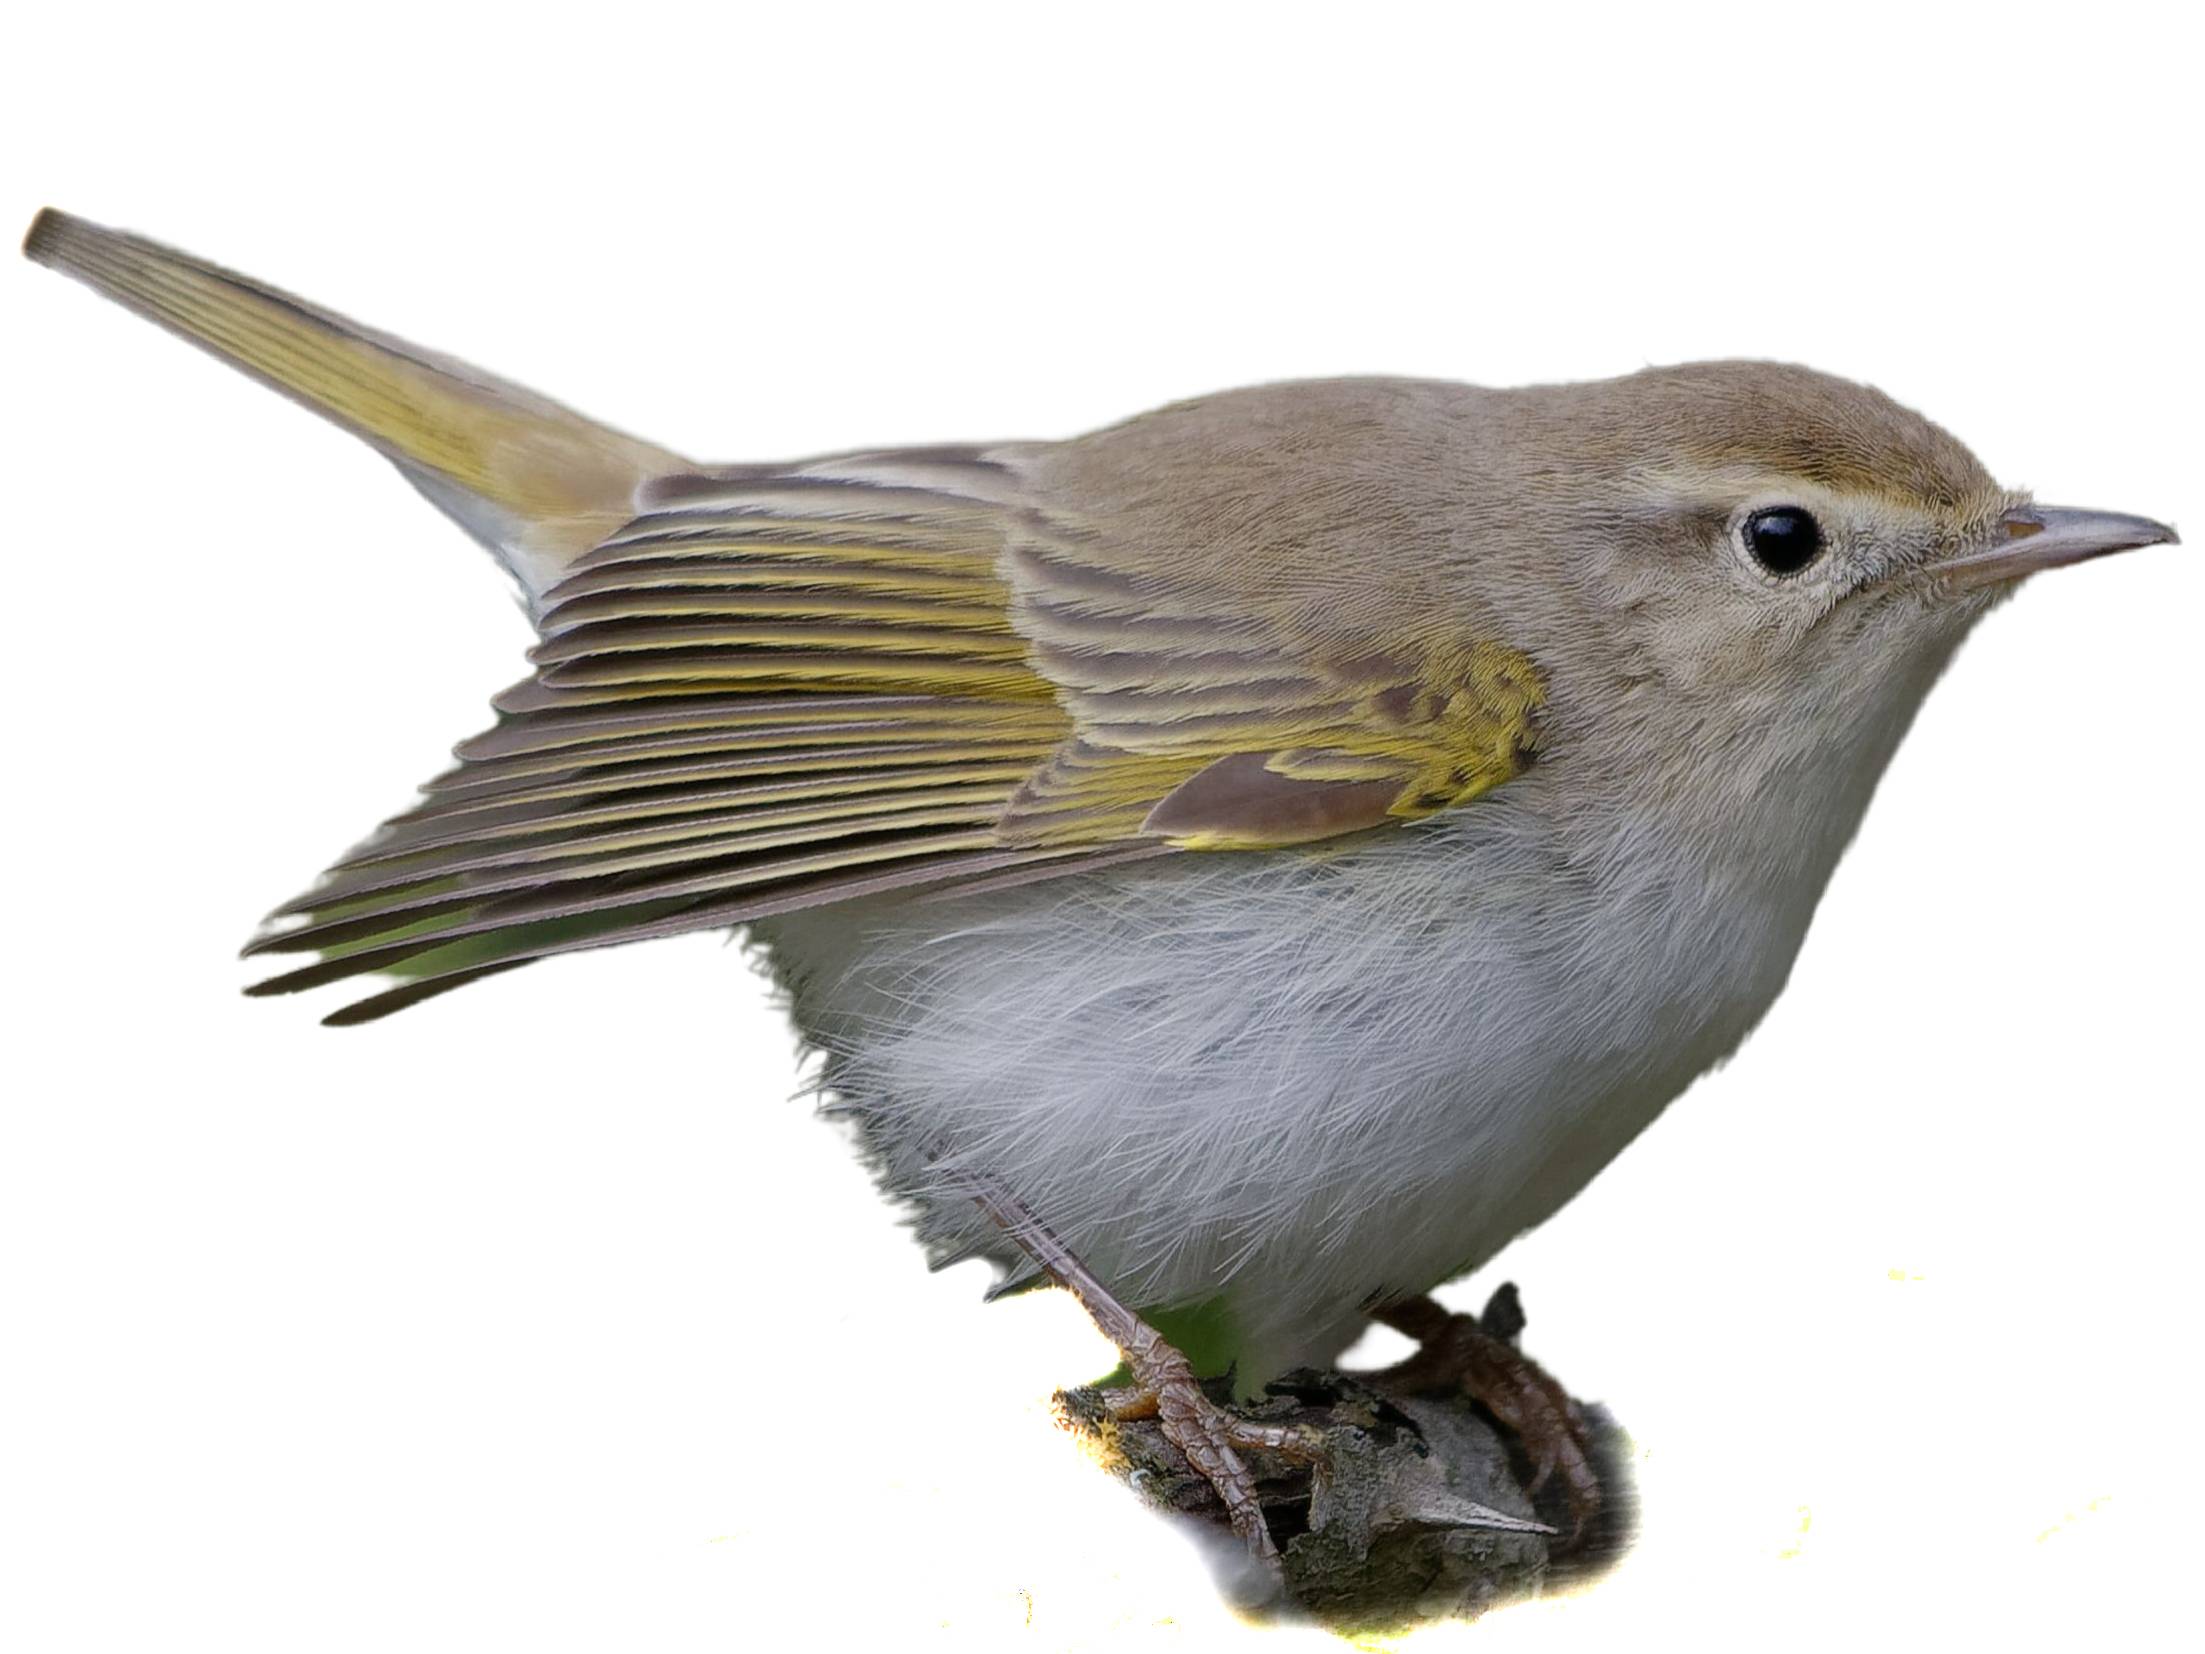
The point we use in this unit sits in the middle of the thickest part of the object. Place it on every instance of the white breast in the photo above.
(1298, 1082)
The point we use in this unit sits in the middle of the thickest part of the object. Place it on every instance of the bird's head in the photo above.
(1768, 566)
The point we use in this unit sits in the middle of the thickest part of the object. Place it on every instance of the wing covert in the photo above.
(1213, 725)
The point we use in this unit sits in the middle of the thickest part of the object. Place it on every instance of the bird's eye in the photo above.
(1783, 539)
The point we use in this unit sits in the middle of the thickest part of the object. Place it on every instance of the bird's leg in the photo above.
(1478, 1354)
(1164, 1386)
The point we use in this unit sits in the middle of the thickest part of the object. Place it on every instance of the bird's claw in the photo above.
(1210, 1437)
(1481, 1359)
(1164, 1387)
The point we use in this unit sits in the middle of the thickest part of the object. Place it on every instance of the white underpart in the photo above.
(1302, 1082)
(1305, 1082)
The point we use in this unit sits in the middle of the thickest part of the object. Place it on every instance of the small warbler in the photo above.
(1245, 864)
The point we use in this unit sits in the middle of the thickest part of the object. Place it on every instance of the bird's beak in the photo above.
(2033, 537)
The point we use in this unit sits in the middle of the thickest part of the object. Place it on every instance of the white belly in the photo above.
(1294, 1083)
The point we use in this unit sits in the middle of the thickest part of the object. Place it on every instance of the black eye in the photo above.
(1783, 539)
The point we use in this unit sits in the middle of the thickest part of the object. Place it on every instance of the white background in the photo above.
(541, 1317)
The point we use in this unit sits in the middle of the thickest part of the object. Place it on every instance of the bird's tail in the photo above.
(535, 482)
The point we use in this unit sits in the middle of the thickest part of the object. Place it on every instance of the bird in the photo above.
(1244, 865)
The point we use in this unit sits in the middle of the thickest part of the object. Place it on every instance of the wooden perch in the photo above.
(1403, 1524)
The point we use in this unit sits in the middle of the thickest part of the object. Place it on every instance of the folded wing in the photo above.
(763, 688)
(869, 676)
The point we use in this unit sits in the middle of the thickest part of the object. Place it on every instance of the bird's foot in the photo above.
(1164, 1386)
(1210, 1436)
(1477, 1354)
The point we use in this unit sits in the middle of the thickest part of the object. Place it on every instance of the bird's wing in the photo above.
(764, 688)
(884, 673)
(772, 688)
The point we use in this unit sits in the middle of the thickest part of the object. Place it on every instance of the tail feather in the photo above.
(536, 482)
